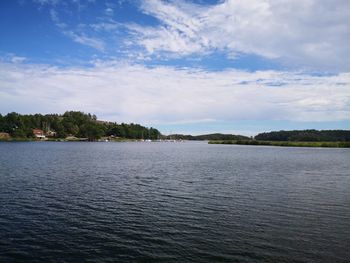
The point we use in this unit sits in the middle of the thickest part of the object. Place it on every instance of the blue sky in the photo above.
(181, 66)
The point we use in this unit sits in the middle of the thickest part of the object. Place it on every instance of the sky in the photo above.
(193, 67)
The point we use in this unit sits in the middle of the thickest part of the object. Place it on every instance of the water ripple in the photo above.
(189, 202)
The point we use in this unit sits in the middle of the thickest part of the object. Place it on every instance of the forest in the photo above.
(85, 125)
(213, 136)
(71, 123)
(305, 136)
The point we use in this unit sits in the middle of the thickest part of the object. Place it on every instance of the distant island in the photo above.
(207, 137)
(80, 126)
(296, 138)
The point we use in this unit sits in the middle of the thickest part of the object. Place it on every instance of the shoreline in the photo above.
(85, 140)
(65, 140)
(321, 144)
(286, 143)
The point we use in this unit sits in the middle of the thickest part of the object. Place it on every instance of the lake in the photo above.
(173, 202)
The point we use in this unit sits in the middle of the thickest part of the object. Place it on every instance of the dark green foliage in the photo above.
(91, 130)
(285, 143)
(214, 136)
(132, 131)
(1, 120)
(306, 136)
(72, 123)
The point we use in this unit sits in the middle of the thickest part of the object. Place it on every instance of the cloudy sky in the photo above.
(234, 66)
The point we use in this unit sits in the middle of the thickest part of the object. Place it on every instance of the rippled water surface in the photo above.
(173, 202)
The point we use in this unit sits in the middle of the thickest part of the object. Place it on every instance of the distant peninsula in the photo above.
(70, 126)
(296, 138)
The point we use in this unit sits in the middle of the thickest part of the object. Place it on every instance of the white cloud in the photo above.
(78, 37)
(160, 95)
(309, 33)
(298, 33)
(85, 40)
(305, 32)
(56, 20)
(47, 2)
(12, 58)
(18, 59)
(105, 26)
(109, 11)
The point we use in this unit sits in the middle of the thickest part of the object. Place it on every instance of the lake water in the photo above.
(173, 202)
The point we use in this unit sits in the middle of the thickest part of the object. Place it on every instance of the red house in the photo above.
(39, 134)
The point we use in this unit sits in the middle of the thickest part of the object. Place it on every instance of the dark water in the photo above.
(173, 202)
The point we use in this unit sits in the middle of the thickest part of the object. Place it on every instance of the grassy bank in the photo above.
(285, 143)
(17, 140)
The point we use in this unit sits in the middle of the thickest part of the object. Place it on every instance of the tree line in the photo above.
(306, 136)
(72, 123)
(205, 137)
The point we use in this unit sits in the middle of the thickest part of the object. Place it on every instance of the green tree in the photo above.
(92, 131)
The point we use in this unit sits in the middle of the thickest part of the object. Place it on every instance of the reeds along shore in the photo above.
(285, 143)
